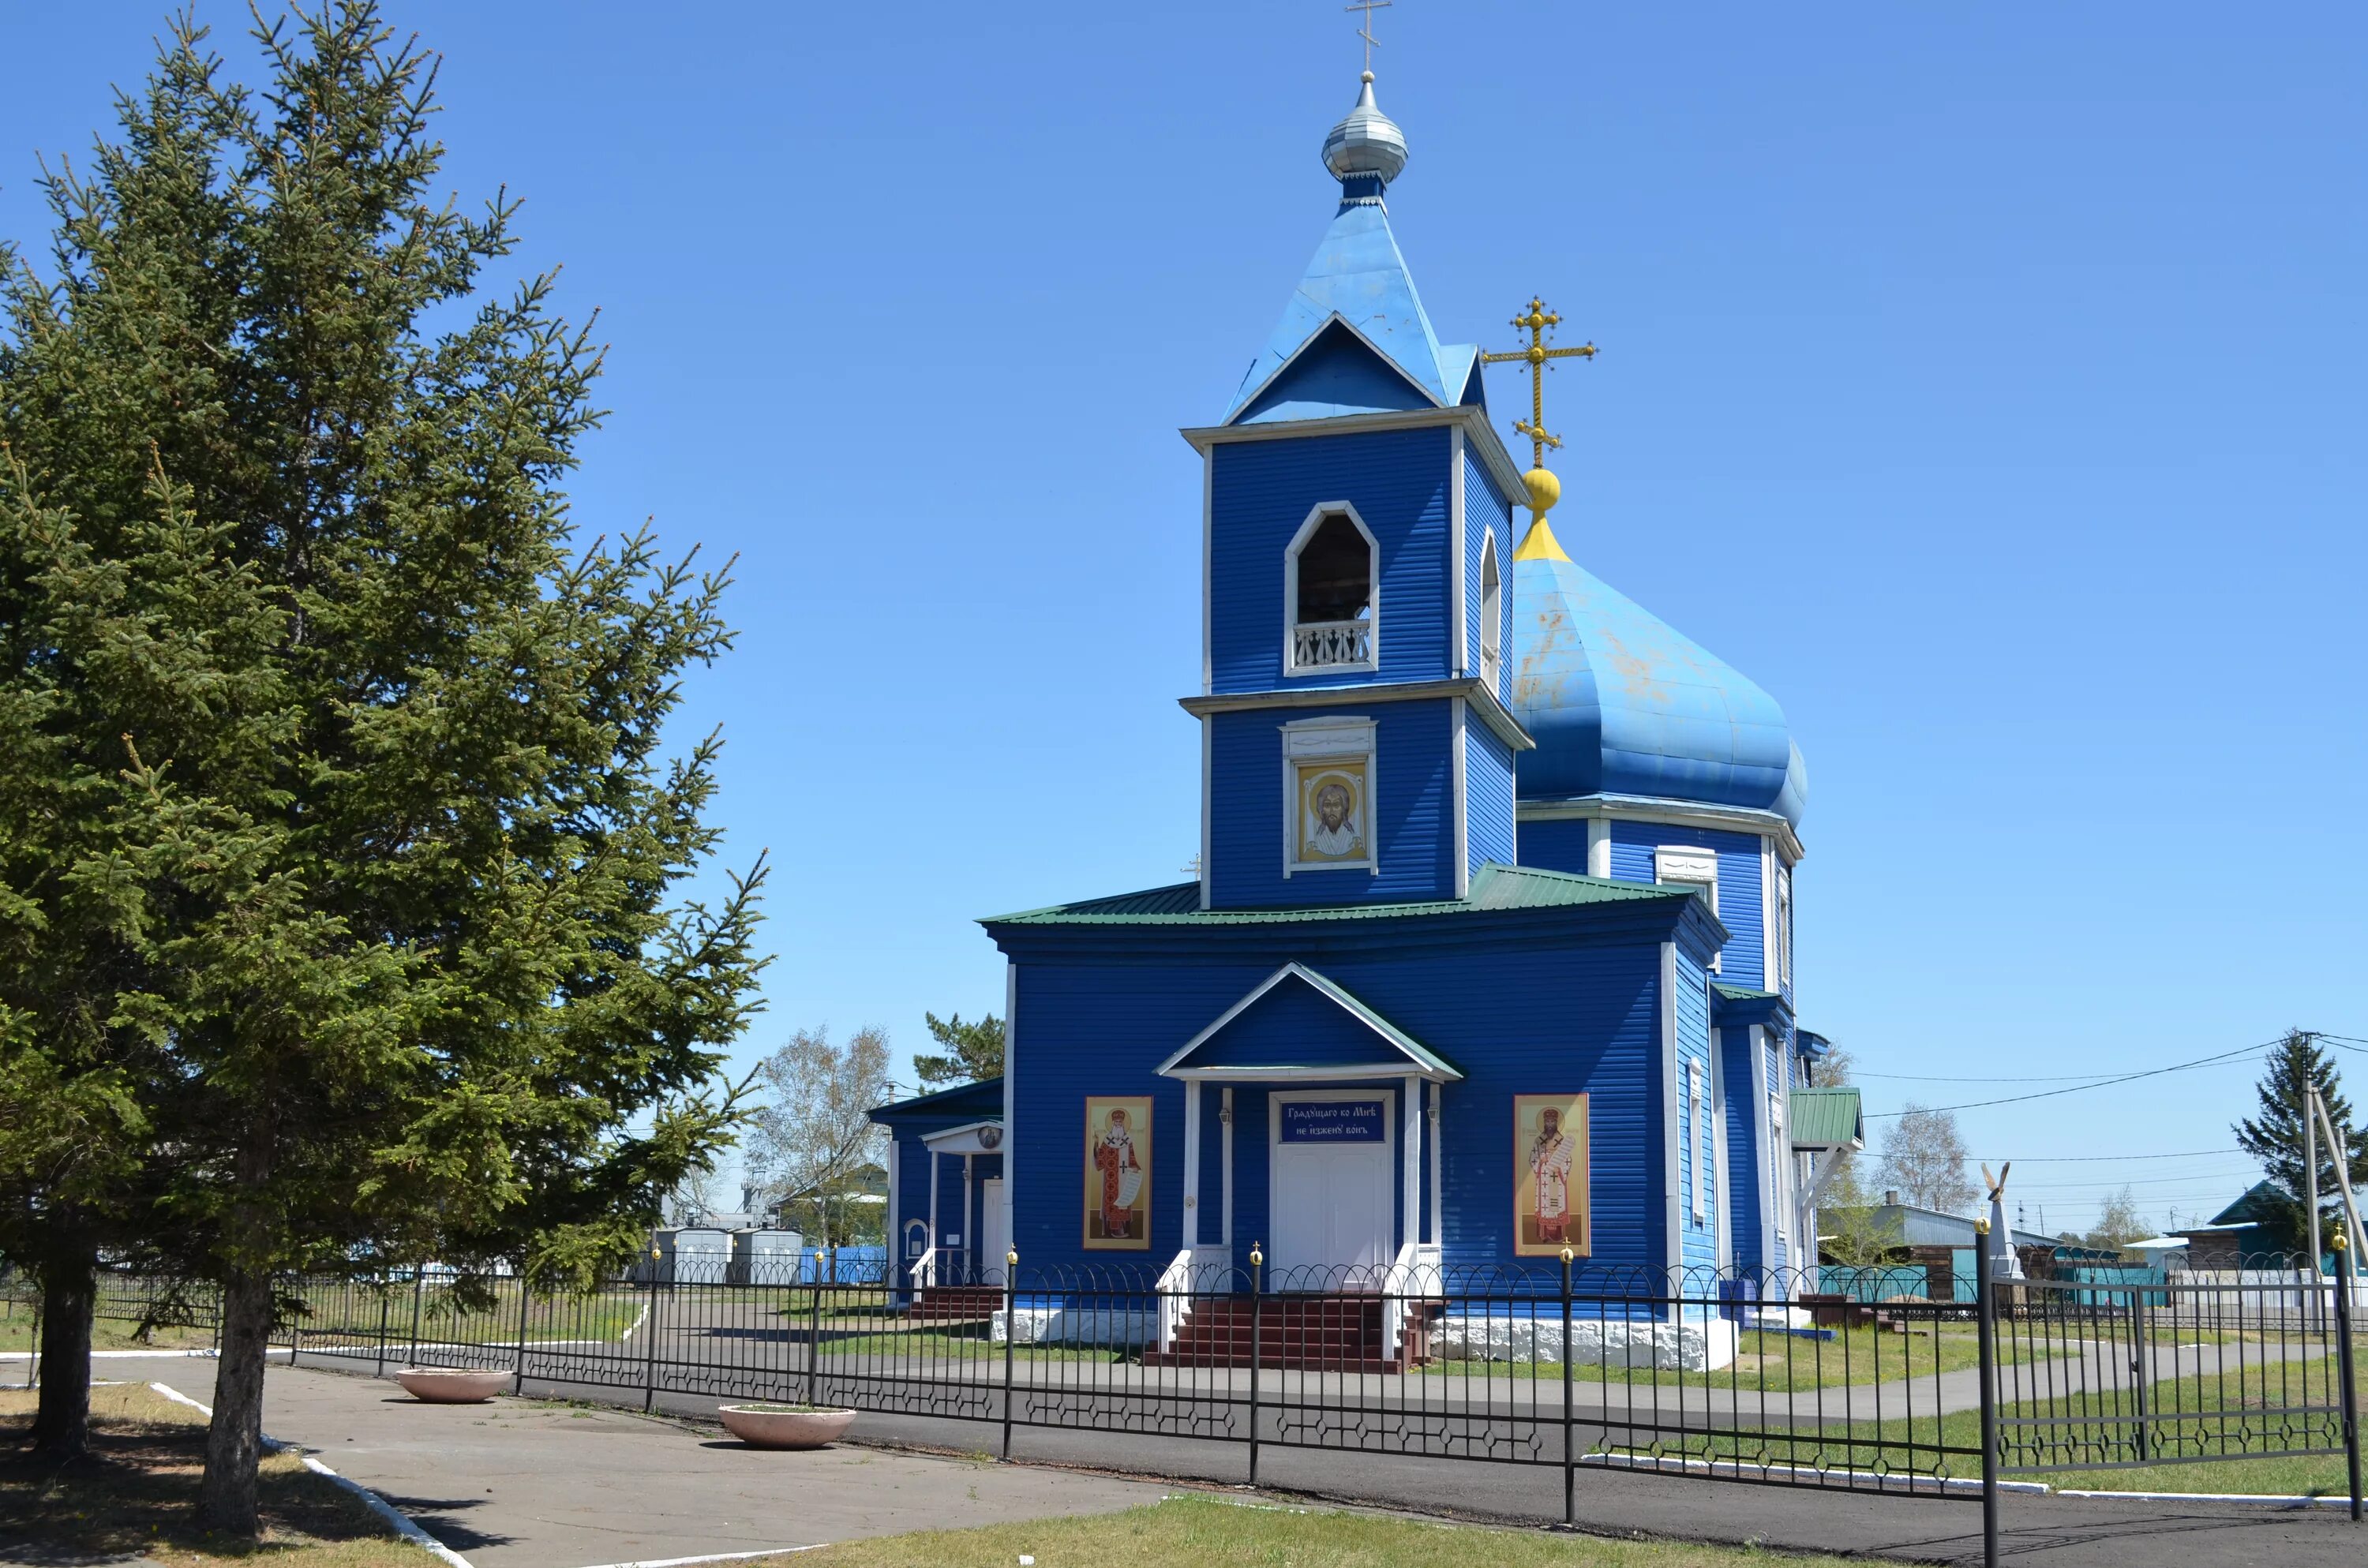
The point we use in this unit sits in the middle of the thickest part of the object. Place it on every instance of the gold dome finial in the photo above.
(1543, 488)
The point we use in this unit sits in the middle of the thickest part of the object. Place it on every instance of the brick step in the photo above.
(952, 1303)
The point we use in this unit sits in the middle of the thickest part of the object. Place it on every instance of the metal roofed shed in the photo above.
(762, 1256)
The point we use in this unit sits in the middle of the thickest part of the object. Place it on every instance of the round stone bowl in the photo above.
(785, 1425)
(450, 1385)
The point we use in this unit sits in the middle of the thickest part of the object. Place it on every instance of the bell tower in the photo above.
(1357, 739)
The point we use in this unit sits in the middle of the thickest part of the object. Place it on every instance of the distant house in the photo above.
(2252, 1232)
(1943, 1243)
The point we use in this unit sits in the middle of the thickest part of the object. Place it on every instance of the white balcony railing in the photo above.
(1326, 644)
(1491, 666)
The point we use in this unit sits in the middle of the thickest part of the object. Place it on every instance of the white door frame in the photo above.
(1393, 1139)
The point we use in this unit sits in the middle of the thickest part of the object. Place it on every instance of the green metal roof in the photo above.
(1494, 889)
(1827, 1118)
(1743, 993)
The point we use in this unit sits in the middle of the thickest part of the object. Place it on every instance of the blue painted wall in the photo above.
(1515, 1019)
(1697, 1239)
(1489, 796)
(1739, 905)
(1413, 825)
(1557, 844)
(1262, 493)
(1743, 1115)
(1485, 511)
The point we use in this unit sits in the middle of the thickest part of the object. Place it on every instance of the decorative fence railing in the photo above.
(1702, 1374)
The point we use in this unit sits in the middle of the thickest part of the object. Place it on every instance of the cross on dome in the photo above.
(1543, 488)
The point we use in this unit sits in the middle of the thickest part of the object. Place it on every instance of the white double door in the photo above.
(1331, 1206)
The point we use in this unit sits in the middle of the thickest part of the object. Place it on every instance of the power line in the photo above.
(2081, 1088)
(2011, 1078)
(2076, 1159)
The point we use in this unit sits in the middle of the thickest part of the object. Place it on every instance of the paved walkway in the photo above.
(517, 1484)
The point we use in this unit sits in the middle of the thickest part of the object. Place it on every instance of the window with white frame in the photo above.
(1776, 1162)
(1492, 610)
(1698, 1099)
(1331, 593)
(1683, 865)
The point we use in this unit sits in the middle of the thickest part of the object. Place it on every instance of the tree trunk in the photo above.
(226, 1501)
(62, 1423)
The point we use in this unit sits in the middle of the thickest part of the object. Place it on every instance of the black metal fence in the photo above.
(1749, 1377)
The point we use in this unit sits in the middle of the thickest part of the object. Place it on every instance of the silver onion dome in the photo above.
(1366, 142)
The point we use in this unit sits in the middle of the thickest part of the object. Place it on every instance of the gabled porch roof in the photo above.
(1297, 1026)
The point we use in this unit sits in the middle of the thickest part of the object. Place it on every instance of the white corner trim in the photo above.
(1460, 661)
(1598, 845)
(1011, 1093)
(1208, 781)
(1768, 932)
(1461, 787)
(1207, 570)
(1314, 521)
(1673, 1204)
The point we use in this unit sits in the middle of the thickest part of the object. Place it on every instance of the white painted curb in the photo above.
(2255, 1498)
(715, 1557)
(371, 1500)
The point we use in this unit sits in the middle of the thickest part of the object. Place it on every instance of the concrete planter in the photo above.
(452, 1385)
(784, 1425)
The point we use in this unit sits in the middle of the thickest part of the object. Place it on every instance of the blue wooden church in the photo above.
(1490, 951)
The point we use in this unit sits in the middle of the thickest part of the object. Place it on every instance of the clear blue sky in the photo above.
(1986, 382)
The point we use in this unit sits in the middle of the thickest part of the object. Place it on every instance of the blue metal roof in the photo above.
(1620, 702)
(1358, 297)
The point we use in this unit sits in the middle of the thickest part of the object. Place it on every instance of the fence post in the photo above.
(2343, 1275)
(295, 1330)
(650, 1338)
(1569, 1457)
(378, 1368)
(1011, 1337)
(813, 1337)
(1258, 1291)
(418, 1294)
(1986, 1339)
(525, 1299)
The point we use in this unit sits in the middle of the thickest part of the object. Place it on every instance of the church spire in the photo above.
(1366, 150)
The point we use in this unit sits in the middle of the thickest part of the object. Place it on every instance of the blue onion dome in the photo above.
(1622, 703)
(1366, 142)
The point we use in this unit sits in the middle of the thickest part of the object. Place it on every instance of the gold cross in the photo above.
(1366, 30)
(1537, 318)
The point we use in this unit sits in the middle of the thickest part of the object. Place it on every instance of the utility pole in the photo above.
(2310, 1167)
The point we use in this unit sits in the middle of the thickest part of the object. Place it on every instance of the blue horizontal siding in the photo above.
(1744, 1116)
(1484, 509)
(1514, 1020)
(1489, 795)
(1697, 1239)
(1740, 901)
(1413, 825)
(1557, 844)
(1261, 493)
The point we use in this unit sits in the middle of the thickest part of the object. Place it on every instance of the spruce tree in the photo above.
(973, 1051)
(2274, 1138)
(346, 855)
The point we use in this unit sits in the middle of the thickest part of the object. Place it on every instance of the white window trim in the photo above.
(1687, 865)
(1699, 1109)
(1492, 625)
(1314, 521)
(1340, 740)
(1784, 927)
(1779, 1166)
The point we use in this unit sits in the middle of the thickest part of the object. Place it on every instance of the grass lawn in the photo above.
(2237, 1407)
(1193, 1532)
(136, 1496)
(16, 1334)
(1779, 1362)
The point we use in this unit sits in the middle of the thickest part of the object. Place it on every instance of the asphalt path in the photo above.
(1485, 1460)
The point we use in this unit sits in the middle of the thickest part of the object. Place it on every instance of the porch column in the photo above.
(1226, 1157)
(934, 1185)
(1410, 1158)
(1438, 1189)
(1192, 1163)
(970, 1205)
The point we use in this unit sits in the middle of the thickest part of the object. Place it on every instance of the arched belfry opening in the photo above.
(1333, 582)
(1492, 614)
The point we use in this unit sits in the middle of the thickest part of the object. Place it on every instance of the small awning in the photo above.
(971, 1138)
(1827, 1118)
(1297, 1027)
